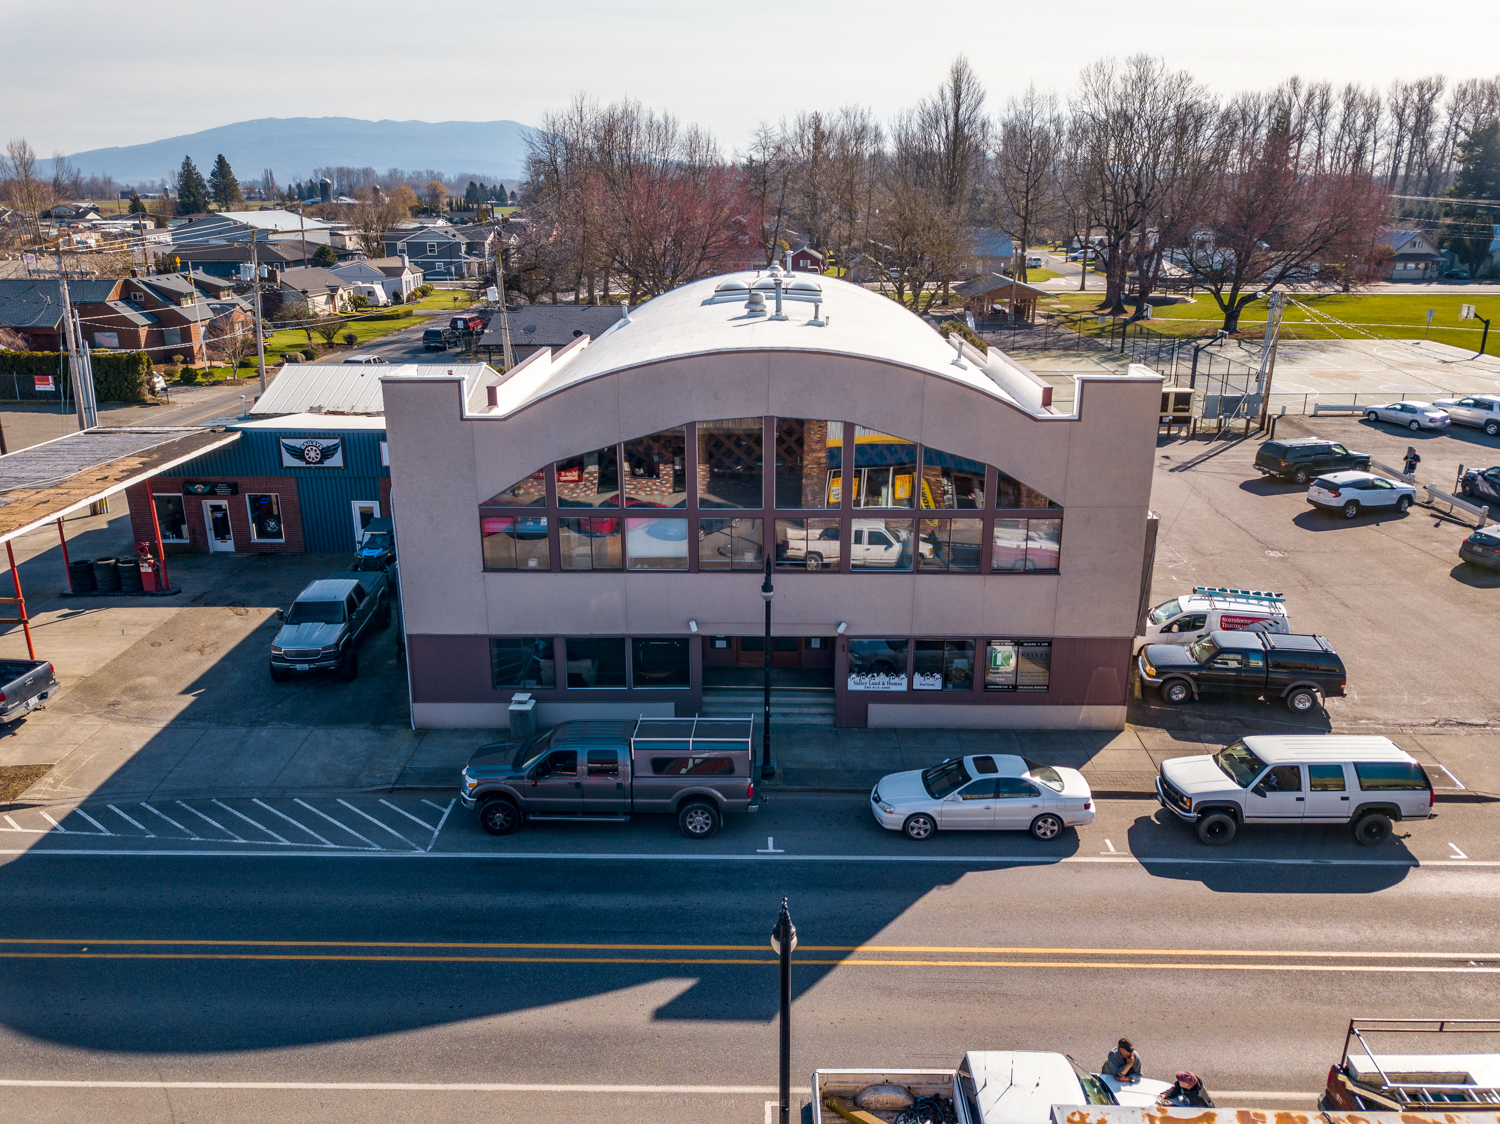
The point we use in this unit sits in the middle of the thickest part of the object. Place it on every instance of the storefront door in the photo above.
(216, 519)
(750, 651)
(364, 511)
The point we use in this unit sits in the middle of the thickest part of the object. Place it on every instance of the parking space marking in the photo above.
(1457, 783)
(380, 825)
(218, 825)
(371, 845)
(770, 848)
(102, 829)
(408, 815)
(170, 820)
(295, 824)
(280, 839)
(139, 826)
(1456, 852)
(442, 819)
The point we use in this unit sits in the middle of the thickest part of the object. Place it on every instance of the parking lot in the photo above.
(1415, 626)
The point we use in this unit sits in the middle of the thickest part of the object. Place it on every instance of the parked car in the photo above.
(1482, 410)
(1481, 484)
(697, 769)
(1079, 255)
(322, 629)
(24, 686)
(1302, 458)
(1353, 492)
(1301, 670)
(366, 359)
(439, 339)
(989, 792)
(1413, 415)
(1208, 609)
(469, 324)
(1033, 261)
(1364, 781)
(1456, 275)
(1482, 548)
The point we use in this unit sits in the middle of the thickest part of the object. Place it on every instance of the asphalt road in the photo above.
(382, 986)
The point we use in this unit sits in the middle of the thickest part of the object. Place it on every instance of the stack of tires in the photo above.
(107, 575)
(81, 575)
(130, 576)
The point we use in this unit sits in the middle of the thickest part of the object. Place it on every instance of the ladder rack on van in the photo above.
(1241, 594)
(1427, 1081)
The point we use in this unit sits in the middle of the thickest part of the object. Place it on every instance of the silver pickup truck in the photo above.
(24, 685)
(322, 629)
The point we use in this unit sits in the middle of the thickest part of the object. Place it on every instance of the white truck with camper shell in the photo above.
(1207, 609)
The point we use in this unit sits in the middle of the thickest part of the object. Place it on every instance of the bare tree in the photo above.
(229, 338)
(66, 181)
(768, 168)
(1029, 137)
(25, 190)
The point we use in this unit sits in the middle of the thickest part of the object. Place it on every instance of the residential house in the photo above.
(236, 226)
(1415, 258)
(392, 278)
(535, 326)
(33, 309)
(807, 260)
(224, 259)
(180, 309)
(324, 290)
(993, 252)
(438, 251)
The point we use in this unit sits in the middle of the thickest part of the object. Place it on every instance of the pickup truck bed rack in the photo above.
(1399, 1082)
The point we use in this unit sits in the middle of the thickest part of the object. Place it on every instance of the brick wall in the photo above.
(284, 487)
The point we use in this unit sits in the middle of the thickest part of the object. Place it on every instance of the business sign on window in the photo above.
(46, 384)
(210, 488)
(311, 452)
(1024, 665)
(107, 339)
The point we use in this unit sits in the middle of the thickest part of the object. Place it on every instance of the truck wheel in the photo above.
(1351, 509)
(500, 817)
(919, 827)
(279, 674)
(1301, 700)
(814, 561)
(1176, 692)
(1047, 827)
(1492, 428)
(1372, 829)
(698, 820)
(1216, 829)
(349, 668)
(1300, 476)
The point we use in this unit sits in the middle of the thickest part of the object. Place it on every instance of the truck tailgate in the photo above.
(847, 1083)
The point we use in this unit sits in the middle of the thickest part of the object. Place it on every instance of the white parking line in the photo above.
(93, 821)
(380, 825)
(1456, 852)
(408, 815)
(218, 825)
(139, 826)
(252, 823)
(373, 846)
(298, 826)
(442, 820)
(23, 830)
(170, 820)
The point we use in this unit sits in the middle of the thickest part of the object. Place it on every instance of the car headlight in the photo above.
(886, 808)
(470, 783)
(1151, 671)
(275, 651)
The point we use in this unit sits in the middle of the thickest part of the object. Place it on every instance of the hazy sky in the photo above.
(112, 75)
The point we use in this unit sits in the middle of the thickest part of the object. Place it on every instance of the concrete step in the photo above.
(790, 704)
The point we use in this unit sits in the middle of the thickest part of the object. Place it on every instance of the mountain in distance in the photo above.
(293, 146)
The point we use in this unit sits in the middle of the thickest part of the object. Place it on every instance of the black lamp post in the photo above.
(783, 940)
(767, 766)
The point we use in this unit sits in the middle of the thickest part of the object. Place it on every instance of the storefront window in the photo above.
(730, 544)
(659, 662)
(885, 469)
(171, 518)
(881, 544)
(656, 544)
(809, 460)
(515, 542)
(943, 665)
(950, 545)
(655, 469)
(596, 661)
(590, 544)
(1026, 544)
(808, 544)
(522, 662)
(1017, 665)
(1010, 494)
(730, 458)
(951, 482)
(877, 665)
(528, 492)
(590, 480)
(265, 518)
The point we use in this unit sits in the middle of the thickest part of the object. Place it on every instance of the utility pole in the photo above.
(504, 314)
(260, 340)
(1268, 353)
(74, 364)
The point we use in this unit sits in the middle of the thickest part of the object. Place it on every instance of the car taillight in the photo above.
(1431, 797)
(1333, 492)
(1088, 805)
(50, 671)
(750, 791)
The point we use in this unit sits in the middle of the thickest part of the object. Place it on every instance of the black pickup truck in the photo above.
(1300, 670)
(696, 769)
(323, 627)
(24, 685)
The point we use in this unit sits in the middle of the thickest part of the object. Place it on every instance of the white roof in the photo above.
(710, 316)
(275, 220)
(1021, 1086)
(311, 421)
(1278, 749)
(352, 388)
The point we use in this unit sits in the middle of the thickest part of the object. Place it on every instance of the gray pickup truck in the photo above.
(323, 627)
(24, 685)
(697, 769)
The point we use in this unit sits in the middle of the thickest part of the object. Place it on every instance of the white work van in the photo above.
(1213, 609)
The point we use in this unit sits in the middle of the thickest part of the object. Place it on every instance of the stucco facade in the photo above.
(696, 357)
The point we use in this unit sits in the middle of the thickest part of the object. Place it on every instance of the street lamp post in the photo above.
(767, 766)
(783, 941)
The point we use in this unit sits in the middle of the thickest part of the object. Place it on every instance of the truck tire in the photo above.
(1372, 829)
(698, 819)
(1300, 476)
(1302, 700)
(1176, 692)
(349, 666)
(279, 674)
(1216, 829)
(814, 561)
(500, 817)
(919, 827)
(1046, 827)
(1351, 509)
(1492, 428)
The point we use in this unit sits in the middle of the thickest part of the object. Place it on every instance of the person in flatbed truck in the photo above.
(1123, 1063)
(1187, 1092)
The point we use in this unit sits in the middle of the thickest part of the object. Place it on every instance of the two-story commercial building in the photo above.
(948, 549)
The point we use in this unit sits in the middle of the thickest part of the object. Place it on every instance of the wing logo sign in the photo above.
(312, 453)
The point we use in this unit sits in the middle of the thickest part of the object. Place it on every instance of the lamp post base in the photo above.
(768, 770)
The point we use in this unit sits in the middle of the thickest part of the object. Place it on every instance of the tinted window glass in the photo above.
(808, 463)
(522, 662)
(654, 469)
(692, 766)
(656, 544)
(659, 662)
(730, 455)
(950, 481)
(316, 612)
(985, 765)
(1014, 788)
(940, 780)
(1238, 763)
(1389, 776)
(730, 544)
(560, 763)
(982, 789)
(1282, 778)
(529, 492)
(886, 469)
(590, 480)
(596, 662)
(1044, 773)
(1325, 778)
(604, 763)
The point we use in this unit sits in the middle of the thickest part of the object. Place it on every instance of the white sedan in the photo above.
(987, 792)
(1351, 492)
(1413, 415)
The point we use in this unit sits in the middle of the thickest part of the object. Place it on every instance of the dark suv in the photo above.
(1299, 670)
(1305, 457)
(439, 339)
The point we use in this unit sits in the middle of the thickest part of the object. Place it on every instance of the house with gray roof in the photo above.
(535, 326)
(440, 252)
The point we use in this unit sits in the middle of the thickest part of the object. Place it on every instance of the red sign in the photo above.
(46, 383)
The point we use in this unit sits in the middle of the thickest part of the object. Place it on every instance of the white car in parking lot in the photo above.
(1413, 415)
(1482, 410)
(984, 792)
(1352, 492)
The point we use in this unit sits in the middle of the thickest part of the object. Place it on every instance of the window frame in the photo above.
(182, 505)
(255, 536)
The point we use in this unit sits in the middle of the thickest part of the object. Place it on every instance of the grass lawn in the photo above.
(1033, 276)
(380, 323)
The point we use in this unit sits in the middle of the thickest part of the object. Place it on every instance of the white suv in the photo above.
(1482, 410)
(1364, 781)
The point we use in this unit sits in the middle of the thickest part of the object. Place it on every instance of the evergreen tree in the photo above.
(137, 207)
(471, 193)
(192, 192)
(325, 256)
(1468, 229)
(498, 192)
(222, 185)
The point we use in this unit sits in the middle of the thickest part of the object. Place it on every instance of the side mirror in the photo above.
(1259, 790)
(281, 614)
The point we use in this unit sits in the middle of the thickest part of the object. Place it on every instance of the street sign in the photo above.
(1431, 312)
(45, 384)
(1466, 312)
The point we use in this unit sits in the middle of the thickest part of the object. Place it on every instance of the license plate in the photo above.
(301, 666)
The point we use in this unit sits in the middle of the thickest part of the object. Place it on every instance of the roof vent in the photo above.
(625, 311)
(756, 305)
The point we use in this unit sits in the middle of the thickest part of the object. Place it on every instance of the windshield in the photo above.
(316, 612)
(1046, 774)
(1165, 611)
(941, 780)
(531, 753)
(377, 541)
(1094, 1090)
(1239, 764)
(1203, 649)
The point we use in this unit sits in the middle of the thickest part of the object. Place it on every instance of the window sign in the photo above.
(210, 488)
(265, 518)
(46, 384)
(1000, 666)
(877, 665)
(311, 452)
(1024, 665)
